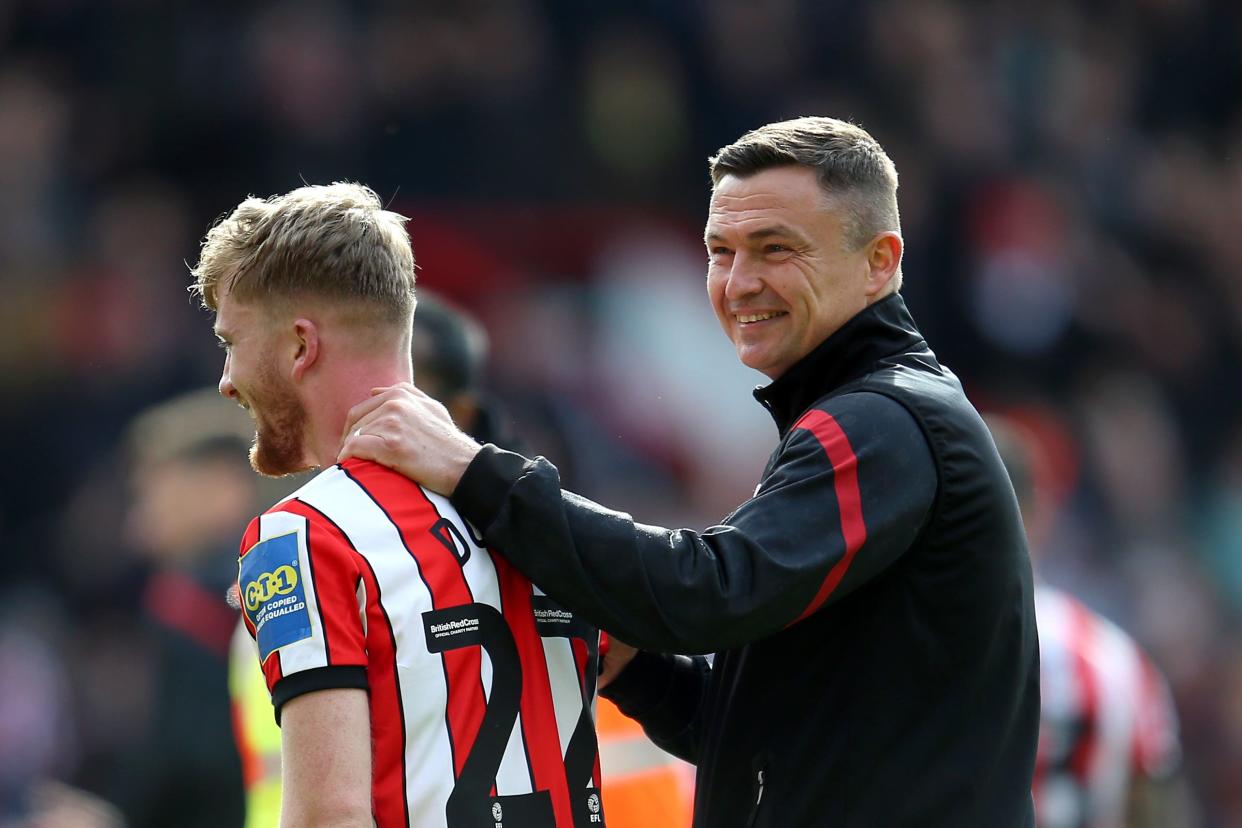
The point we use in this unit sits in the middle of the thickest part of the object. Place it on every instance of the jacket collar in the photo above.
(878, 331)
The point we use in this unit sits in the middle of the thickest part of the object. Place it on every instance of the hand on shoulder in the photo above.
(403, 428)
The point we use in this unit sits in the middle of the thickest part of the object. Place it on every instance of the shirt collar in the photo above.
(880, 330)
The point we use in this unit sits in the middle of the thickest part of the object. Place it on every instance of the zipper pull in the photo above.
(754, 811)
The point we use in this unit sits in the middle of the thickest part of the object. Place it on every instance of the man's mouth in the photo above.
(748, 318)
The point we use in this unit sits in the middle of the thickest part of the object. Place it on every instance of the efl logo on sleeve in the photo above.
(273, 593)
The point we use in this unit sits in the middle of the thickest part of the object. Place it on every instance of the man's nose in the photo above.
(226, 381)
(744, 279)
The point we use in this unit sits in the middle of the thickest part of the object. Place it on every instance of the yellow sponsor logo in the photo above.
(268, 585)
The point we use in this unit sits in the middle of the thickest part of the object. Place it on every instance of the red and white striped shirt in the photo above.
(481, 689)
(1107, 718)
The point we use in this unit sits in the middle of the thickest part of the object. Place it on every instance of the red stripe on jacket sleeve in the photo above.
(849, 502)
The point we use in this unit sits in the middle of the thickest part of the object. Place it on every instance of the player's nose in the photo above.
(226, 381)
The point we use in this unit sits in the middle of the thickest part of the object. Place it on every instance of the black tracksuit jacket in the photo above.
(870, 607)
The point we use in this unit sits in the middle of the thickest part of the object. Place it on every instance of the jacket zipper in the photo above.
(754, 812)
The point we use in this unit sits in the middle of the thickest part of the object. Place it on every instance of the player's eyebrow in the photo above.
(760, 233)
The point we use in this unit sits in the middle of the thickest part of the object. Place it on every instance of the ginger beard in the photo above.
(280, 425)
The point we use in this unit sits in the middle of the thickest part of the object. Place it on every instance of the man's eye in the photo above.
(775, 248)
(719, 251)
(224, 346)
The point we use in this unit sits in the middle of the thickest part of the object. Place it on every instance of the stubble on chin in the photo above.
(278, 442)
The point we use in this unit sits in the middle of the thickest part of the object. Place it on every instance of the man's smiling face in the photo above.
(779, 275)
(252, 378)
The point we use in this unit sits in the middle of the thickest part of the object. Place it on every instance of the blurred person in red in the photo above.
(418, 680)
(871, 605)
(191, 493)
(1109, 753)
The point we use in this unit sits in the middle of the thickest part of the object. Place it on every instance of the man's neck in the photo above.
(339, 390)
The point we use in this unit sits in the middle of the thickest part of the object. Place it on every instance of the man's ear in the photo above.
(883, 264)
(306, 339)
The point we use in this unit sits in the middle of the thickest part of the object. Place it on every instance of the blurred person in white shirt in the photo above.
(1109, 752)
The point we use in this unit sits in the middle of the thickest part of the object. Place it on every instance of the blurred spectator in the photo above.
(254, 728)
(1109, 752)
(37, 740)
(192, 491)
(449, 349)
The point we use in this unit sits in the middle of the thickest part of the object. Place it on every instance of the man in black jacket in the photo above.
(870, 606)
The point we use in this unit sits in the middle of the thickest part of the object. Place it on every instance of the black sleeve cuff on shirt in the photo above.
(481, 492)
(318, 678)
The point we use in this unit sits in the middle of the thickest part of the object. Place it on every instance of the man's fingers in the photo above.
(352, 434)
(358, 412)
(365, 447)
(381, 425)
(616, 657)
(404, 386)
(378, 397)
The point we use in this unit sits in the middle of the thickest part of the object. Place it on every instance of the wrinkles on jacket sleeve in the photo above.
(677, 590)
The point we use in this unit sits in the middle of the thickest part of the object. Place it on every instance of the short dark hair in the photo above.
(849, 163)
(448, 344)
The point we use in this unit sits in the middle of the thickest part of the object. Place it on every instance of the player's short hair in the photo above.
(851, 166)
(335, 241)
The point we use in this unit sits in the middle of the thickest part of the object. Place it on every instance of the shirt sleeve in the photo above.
(299, 583)
(847, 493)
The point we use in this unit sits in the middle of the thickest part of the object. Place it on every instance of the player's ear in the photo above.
(306, 343)
(883, 261)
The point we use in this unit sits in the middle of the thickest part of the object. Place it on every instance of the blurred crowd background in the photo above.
(1071, 194)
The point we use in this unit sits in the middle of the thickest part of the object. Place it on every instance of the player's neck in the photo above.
(337, 391)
